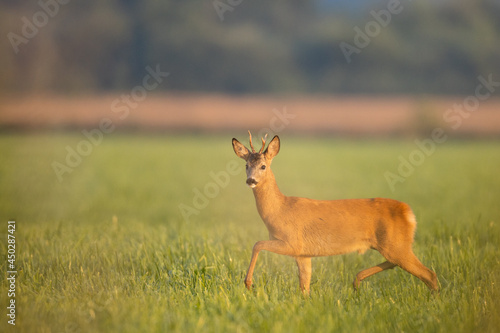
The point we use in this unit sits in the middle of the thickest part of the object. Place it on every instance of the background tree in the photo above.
(259, 46)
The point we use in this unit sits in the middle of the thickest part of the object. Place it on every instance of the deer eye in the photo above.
(263, 167)
(246, 166)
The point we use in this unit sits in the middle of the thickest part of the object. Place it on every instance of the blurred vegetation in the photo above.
(258, 46)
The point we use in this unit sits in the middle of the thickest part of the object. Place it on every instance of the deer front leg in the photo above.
(275, 246)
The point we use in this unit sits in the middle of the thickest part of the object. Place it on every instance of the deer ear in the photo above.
(240, 150)
(273, 148)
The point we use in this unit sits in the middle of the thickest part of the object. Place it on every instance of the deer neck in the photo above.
(268, 197)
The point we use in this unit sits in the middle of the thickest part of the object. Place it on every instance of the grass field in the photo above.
(107, 249)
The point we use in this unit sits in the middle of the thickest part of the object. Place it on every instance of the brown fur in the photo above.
(305, 228)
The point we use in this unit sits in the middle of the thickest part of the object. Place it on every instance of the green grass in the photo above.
(107, 249)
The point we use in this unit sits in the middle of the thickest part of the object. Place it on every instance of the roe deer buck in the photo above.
(305, 228)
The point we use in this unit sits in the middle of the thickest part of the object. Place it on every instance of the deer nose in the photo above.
(251, 182)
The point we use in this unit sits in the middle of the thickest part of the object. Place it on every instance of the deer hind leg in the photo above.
(305, 271)
(370, 271)
(275, 246)
(413, 266)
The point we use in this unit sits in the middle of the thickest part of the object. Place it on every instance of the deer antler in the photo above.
(251, 144)
(263, 143)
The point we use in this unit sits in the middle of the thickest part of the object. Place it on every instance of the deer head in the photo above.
(258, 163)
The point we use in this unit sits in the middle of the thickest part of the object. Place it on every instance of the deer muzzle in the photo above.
(251, 182)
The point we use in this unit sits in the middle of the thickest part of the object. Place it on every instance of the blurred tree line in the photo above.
(248, 46)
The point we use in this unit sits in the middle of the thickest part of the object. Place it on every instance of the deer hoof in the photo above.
(248, 284)
(356, 284)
